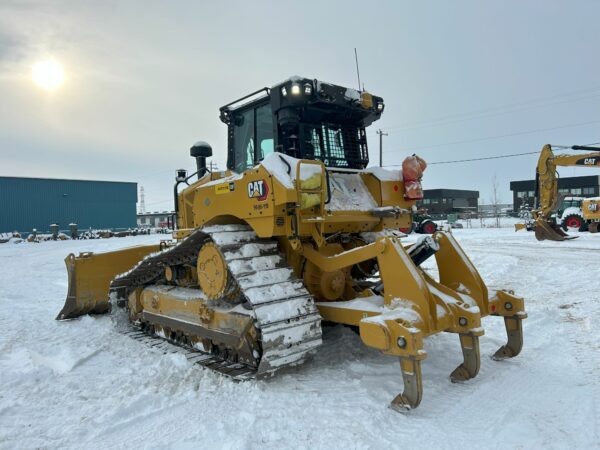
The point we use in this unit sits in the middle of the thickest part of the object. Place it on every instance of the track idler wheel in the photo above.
(514, 331)
(413, 385)
(213, 275)
(471, 359)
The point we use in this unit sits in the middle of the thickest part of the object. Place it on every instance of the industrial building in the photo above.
(586, 186)
(28, 203)
(155, 219)
(449, 201)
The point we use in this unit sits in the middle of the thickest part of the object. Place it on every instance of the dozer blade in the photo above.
(90, 276)
(546, 231)
(520, 226)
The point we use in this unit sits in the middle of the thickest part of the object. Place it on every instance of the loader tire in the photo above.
(428, 227)
(574, 221)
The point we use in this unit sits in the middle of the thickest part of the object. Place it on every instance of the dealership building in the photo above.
(156, 219)
(587, 186)
(449, 201)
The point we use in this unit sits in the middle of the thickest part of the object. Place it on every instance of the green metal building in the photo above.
(28, 203)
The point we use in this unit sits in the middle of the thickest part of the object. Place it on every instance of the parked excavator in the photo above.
(297, 231)
(546, 190)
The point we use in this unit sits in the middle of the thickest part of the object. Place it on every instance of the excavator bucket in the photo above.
(90, 276)
(547, 231)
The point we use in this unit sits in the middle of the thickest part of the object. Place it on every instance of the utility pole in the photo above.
(381, 135)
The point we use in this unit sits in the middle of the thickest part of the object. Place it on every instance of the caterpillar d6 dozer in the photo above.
(298, 231)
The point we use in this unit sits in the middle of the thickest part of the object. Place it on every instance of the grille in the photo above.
(337, 146)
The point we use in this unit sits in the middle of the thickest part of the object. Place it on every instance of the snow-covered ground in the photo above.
(80, 384)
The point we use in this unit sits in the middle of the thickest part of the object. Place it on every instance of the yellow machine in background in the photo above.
(297, 231)
(547, 190)
(590, 208)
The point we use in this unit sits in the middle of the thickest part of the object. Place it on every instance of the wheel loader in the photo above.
(297, 232)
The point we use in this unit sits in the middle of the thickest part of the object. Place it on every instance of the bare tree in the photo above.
(495, 201)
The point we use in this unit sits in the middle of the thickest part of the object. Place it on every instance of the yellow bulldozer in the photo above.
(298, 231)
(546, 193)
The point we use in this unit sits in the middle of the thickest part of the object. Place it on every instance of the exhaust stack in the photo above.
(200, 151)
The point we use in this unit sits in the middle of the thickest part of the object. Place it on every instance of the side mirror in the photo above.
(201, 149)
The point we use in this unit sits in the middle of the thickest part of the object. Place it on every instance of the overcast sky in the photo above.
(144, 80)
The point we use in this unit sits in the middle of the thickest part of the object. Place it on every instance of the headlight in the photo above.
(295, 89)
(307, 89)
(284, 91)
(181, 175)
(380, 106)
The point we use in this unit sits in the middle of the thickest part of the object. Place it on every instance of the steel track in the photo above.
(283, 310)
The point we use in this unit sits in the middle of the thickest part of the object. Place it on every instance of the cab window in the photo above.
(264, 131)
(243, 138)
(252, 136)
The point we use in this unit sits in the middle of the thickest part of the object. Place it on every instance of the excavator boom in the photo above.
(547, 187)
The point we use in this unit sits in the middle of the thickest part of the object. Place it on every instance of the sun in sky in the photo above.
(48, 75)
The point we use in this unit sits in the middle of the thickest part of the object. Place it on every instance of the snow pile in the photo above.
(385, 174)
(373, 303)
(230, 178)
(349, 193)
(372, 236)
(293, 78)
(400, 310)
(352, 95)
(282, 167)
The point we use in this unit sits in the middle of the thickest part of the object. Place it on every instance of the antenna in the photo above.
(357, 71)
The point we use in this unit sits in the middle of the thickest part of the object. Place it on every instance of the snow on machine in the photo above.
(297, 231)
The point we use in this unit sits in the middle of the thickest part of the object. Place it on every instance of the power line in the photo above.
(488, 138)
(482, 159)
(159, 202)
(494, 109)
(474, 159)
(488, 157)
(442, 122)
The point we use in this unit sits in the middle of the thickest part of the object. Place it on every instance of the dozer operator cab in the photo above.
(302, 118)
